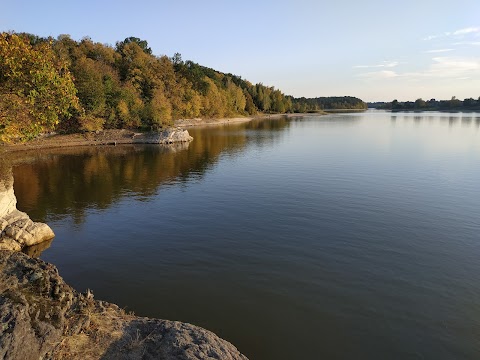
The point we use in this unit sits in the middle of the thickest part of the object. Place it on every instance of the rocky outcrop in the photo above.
(17, 230)
(8, 201)
(42, 317)
(166, 137)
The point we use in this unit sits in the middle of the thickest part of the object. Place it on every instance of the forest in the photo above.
(453, 104)
(328, 103)
(65, 85)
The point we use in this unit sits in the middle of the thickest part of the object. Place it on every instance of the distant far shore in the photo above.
(435, 110)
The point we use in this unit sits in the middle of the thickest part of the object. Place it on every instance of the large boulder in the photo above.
(42, 317)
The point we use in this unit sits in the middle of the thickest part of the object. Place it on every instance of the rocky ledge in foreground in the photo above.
(41, 317)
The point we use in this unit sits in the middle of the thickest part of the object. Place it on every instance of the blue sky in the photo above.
(376, 50)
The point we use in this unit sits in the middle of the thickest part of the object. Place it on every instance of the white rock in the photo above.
(17, 230)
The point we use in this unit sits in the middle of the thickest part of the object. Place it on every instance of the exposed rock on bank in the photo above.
(170, 136)
(17, 230)
(42, 317)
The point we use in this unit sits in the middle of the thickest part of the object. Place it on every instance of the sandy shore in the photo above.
(185, 123)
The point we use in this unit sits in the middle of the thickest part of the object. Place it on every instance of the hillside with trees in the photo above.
(60, 84)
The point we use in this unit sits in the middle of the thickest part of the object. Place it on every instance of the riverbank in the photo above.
(105, 137)
(186, 123)
(124, 136)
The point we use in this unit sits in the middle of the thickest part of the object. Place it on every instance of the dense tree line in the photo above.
(432, 104)
(61, 84)
(303, 105)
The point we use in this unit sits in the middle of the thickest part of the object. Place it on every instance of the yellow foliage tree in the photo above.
(36, 89)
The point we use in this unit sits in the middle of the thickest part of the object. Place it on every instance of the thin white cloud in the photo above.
(451, 65)
(383, 74)
(385, 64)
(472, 43)
(438, 51)
(441, 67)
(457, 33)
(467, 30)
(449, 68)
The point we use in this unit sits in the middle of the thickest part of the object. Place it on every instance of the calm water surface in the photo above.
(348, 236)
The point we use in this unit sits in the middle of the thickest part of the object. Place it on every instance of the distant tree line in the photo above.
(61, 84)
(432, 104)
(303, 105)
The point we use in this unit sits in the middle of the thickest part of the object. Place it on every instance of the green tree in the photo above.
(455, 103)
(249, 104)
(143, 44)
(420, 104)
(89, 82)
(214, 101)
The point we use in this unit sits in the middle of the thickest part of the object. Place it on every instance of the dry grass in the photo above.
(106, 327)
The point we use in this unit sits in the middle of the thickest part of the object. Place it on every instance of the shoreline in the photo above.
(113, 137)
(44, 317)
(187, 123)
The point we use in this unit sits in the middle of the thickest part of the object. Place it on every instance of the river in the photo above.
(341, 236)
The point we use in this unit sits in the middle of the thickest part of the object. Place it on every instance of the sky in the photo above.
(376, 50)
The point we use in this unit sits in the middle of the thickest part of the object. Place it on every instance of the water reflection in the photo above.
(36, 250)
(97, 177)
(467, 120)
(452, 119)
